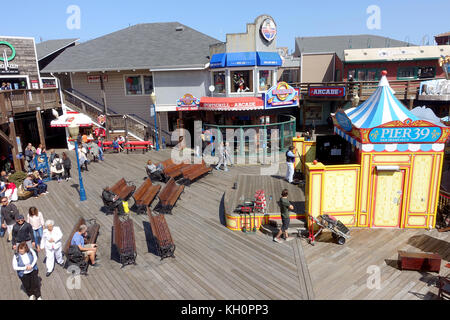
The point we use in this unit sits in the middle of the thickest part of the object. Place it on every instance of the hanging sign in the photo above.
(405, 135)
(188, 103)
(327, 92)
(281, 95)
(96, 79)
(268, 29)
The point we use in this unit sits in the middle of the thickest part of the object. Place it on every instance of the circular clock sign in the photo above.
(268, 30)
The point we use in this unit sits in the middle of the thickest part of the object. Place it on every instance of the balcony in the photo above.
(19, 101)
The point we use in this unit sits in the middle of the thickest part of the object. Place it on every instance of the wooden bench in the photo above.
(122, 189)
(153, 177)
(194, 172)
(419, 261)
(169, 196)
(161, 235)
(144, 195)
(175, 170)
(124, 240)
(138, 145)
(91, 238)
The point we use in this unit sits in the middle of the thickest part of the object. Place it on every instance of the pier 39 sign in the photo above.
(405, 135)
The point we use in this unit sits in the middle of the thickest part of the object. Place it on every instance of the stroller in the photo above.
(338, 230)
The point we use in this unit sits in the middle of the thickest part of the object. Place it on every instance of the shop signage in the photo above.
(343, 121)
(188, 103)
(399, 135)
(327, 92)
(96, 79)
(281, 95)
(268, 30)
(5, 66)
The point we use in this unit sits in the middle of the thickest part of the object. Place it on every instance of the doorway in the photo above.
(388, 199)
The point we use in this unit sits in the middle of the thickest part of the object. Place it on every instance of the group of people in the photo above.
(32, 235)
(117, 144)
(6, 86)
(87, 148)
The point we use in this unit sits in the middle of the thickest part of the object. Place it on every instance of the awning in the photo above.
(268, 59)
(231, 104)
(65, 120)
(218, 60)
(240, 59)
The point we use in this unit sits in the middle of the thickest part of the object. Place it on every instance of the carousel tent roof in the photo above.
(382, 107)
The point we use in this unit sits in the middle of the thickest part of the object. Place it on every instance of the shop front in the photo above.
(390, 166)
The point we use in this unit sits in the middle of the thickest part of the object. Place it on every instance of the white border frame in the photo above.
(141, 75)
(274, 76)
(224, 70)
(17, 76)
(248, 93)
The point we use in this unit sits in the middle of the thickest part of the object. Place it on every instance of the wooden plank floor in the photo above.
(211, 261)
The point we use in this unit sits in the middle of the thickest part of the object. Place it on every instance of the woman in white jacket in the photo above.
(51, 242)
(57, 167)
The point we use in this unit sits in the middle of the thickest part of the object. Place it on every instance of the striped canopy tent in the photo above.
(380, 109)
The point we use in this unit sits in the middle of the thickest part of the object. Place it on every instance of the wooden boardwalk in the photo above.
(211, 261)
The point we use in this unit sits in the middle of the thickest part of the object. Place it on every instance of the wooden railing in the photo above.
(26, 100)
(444, 199)
(404, 89)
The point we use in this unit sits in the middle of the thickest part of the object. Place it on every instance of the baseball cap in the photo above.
(20, 217)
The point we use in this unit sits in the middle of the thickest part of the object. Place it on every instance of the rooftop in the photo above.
(46, 48)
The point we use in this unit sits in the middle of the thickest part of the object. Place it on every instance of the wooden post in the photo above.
(14, 147)
(39, 121)
(105, 107)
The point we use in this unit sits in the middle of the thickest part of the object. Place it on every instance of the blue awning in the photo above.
(218, 60)
(239, 59)
(268, 59)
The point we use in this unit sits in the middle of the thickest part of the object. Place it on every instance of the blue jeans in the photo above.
(38, 235)
(100, 154)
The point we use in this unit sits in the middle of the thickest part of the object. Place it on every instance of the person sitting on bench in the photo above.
(155, 171)
(112, 200)
(88, 250)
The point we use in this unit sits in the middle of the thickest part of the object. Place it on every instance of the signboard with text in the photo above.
(403, 135)
(188, 103)
(280, 96)
(325, 92)
(96, 79)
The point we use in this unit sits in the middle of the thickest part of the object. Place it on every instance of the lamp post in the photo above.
(153, 111)
(73, 131)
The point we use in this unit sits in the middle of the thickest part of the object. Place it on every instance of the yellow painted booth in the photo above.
(395, 183)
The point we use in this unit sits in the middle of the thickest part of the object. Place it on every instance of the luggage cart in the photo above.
(338, 230)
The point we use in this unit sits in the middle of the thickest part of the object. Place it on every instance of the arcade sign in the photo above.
(326, 92)
(268, 30)
(188, 103)
(405, 135)
(281, 95)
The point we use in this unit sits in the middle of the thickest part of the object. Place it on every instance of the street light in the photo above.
(153, 111)
(74, 129)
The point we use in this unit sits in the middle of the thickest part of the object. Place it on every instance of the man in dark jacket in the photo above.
(9, 214)
(112, 200)
(22, 232)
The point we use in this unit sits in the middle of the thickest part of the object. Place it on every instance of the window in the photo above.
(265, 80)
(241, 81)
(219, 81)
(138, 85)
(352, 73)
(365, 74)
(361, 75)
(289, 75)
(148, 84)
(426, 72)
(406, 72)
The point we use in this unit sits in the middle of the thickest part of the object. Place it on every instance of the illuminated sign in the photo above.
(281, 95)
(188, 103)
(399, 135)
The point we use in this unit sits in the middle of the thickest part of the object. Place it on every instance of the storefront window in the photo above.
(148, 84)
(133, 85)
(361, 75)
(219, 81)
(242, 81)
(426, 72)
(352, 73)
(265, 80)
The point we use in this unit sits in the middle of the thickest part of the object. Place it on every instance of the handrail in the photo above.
(292, 119)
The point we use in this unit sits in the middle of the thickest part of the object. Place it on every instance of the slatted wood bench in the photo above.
(124, 240)
(169, 196)
(91, 238)
(144, 195)
(175, 170)
(137, 145)
(194, 172)
(161, 235)
(122, 189)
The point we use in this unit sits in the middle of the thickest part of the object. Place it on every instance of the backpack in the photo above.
(74, 254)
(59, 165)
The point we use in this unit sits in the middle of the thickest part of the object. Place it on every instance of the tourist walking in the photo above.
(51, 242)
(22, 232)
(25, 263)
(83, 158)
(67, 164)
(222, 157)
(285, 206)
(36, 220)
(57, 167)
(290, 160)
(9, 215)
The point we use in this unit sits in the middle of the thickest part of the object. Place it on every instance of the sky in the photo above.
(415, 21)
